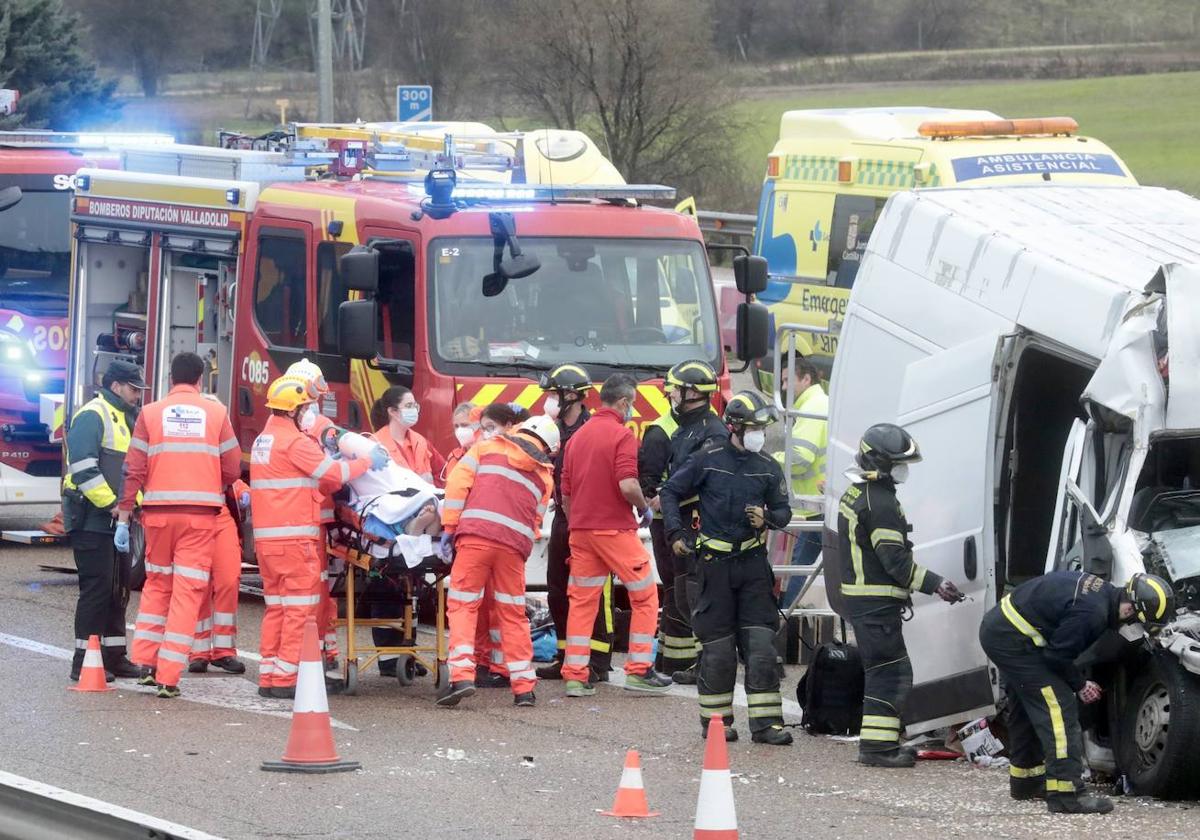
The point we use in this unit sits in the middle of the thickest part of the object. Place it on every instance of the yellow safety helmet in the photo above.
(694, 373)
(309, 370)
(289, 392)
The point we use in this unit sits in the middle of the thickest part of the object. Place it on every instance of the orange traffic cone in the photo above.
(715, 816)
(631, 795)
(91, 676)
(310, 746)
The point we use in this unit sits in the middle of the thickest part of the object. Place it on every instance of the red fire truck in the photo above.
(36, 172)
(448, 264)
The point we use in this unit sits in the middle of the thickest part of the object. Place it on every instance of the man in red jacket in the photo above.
(600, 490)
(494, 506)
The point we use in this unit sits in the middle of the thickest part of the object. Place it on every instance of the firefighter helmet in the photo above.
(544, 429)
(695, 374)
(566, 378)
(1152, 598)
(309, 370)
(289, 392)
(749, 408)
(884, 445)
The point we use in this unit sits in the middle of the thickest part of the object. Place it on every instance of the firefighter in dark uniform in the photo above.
(97, 440)
(667, 444)
(566, 386)
(1034, 635)
(878, 577)
(742, 493)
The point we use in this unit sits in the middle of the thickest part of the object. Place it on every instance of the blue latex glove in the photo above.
(445, 547)
(244, 500)
(121, 536)
(379, 458)
(647, 516)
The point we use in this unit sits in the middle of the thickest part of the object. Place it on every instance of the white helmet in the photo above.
(545, 429)
(311, 372)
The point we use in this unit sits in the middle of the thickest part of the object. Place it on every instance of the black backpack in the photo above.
(831, 691)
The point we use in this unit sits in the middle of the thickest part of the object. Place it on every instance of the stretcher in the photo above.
(356, 555)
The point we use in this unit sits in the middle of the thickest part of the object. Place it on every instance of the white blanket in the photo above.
(395, 494)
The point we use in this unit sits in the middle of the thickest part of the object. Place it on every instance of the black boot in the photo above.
(455, 692)
(774, 735)
(731, 734)
(490, 679)
(1077, 803)
(198, 666)
(525, 698)
(686, 676)
(890, 758)
(553, 671)
(229, 664)
(124, 669)
(1028, 788)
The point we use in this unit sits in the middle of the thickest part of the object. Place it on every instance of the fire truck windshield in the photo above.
(35, 254)
(626, 302)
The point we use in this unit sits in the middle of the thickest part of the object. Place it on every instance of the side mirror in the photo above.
(519, 265)
(356, 329)
(359, 268)
(750, 274)
(753, 327)
(9, 196)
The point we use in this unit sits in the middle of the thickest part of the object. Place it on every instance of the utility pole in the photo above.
(324, 61)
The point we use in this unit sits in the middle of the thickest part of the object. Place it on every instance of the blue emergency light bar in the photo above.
(559, 192)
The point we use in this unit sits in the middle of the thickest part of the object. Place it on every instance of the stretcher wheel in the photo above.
(406, 670)
(351, 679)
(443, 675)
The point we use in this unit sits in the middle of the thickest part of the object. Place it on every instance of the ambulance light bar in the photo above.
(998, 128)
(565, 192)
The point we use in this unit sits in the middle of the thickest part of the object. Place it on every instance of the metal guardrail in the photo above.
(731, 228)
(34, 810)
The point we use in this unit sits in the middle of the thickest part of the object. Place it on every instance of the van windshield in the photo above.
(35, 254)
(624, 302)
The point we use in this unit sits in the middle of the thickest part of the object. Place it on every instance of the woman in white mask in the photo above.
(465, 420)
(407, 447)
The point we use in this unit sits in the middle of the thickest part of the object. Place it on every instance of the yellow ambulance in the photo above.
(832, 170)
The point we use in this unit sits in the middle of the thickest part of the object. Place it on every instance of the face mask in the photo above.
(900, 473)
(408, 416)
(464, 434)
(308, 417)
(754, 439)
(628, 412)
(552, 407)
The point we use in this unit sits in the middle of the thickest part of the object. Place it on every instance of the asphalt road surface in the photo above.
(485, 769)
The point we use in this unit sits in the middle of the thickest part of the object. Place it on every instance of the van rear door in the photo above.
(947, 403)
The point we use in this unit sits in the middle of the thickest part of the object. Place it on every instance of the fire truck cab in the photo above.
(447, 264)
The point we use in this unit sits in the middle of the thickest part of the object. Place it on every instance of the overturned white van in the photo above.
(1043, 346)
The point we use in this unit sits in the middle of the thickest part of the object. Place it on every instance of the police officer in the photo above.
(667, 444)
(566, 386)
(741, 493)
(878, 576)
(1034, 636)
(96, 444)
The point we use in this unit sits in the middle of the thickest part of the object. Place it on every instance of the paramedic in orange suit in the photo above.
(493, 509)
(182, 456)
(397, 412)
(289, 473)
(315, 424)
(216, 627)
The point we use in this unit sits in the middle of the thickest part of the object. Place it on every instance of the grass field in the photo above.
(1151, 121)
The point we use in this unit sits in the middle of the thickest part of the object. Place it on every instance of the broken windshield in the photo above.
(593, 301)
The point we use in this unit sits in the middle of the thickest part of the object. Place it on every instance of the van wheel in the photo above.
(1160, 731)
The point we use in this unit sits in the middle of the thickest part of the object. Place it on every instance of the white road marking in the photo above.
(167, 829)
(237, 694)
